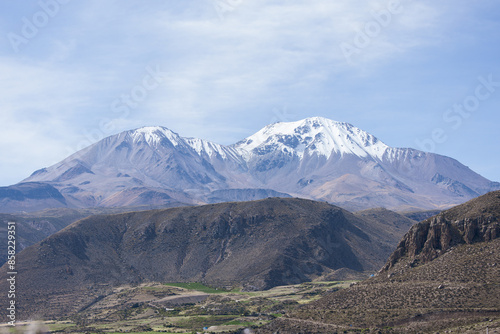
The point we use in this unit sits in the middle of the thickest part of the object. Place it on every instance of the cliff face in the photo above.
(443, 277)
(472, 222)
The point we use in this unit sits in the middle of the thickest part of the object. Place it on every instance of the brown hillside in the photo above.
(256, 245)
(475, 221)
(445, 275)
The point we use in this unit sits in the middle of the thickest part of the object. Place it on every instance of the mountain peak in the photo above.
(153, 135)
(314, 157)
(314, 135)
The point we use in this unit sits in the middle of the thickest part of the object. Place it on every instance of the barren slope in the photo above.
(445, 274)
(256, 245)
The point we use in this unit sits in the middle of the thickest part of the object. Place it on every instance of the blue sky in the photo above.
(422, 74)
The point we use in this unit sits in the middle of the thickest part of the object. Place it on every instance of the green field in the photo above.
(197, 287)
(146, 309)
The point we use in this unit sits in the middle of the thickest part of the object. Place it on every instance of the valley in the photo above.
(186, 308)
(148, 231)
(256, 245)
(323, 271)
(250, 167)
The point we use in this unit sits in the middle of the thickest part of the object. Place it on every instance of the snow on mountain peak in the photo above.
(153, 135)
(315, 135)
(211, 149)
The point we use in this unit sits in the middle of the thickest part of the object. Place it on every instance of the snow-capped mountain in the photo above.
(313, 136)
(315, 158)
(340, 163)
(150, 165)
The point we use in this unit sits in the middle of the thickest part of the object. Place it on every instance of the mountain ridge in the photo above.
(255, 245)
(314, 158)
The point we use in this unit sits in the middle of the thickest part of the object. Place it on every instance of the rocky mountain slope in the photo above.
(476, 221)
(445, 274)
(30, 230)
(314, 158)
(35, 226)
(256, 245)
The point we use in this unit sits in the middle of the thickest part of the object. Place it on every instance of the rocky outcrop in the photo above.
(442, 278)
(429, 239)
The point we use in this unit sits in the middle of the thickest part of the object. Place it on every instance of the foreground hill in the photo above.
(256, 245)
(314, 158)
(35, 226)
(444, 274)
(31, 229)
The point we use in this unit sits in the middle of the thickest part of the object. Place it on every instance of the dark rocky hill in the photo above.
(35, 226)
(444, 274)
(475, 221)
(421, 215)
(256, 245)
(382, 218)
(30, 230)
